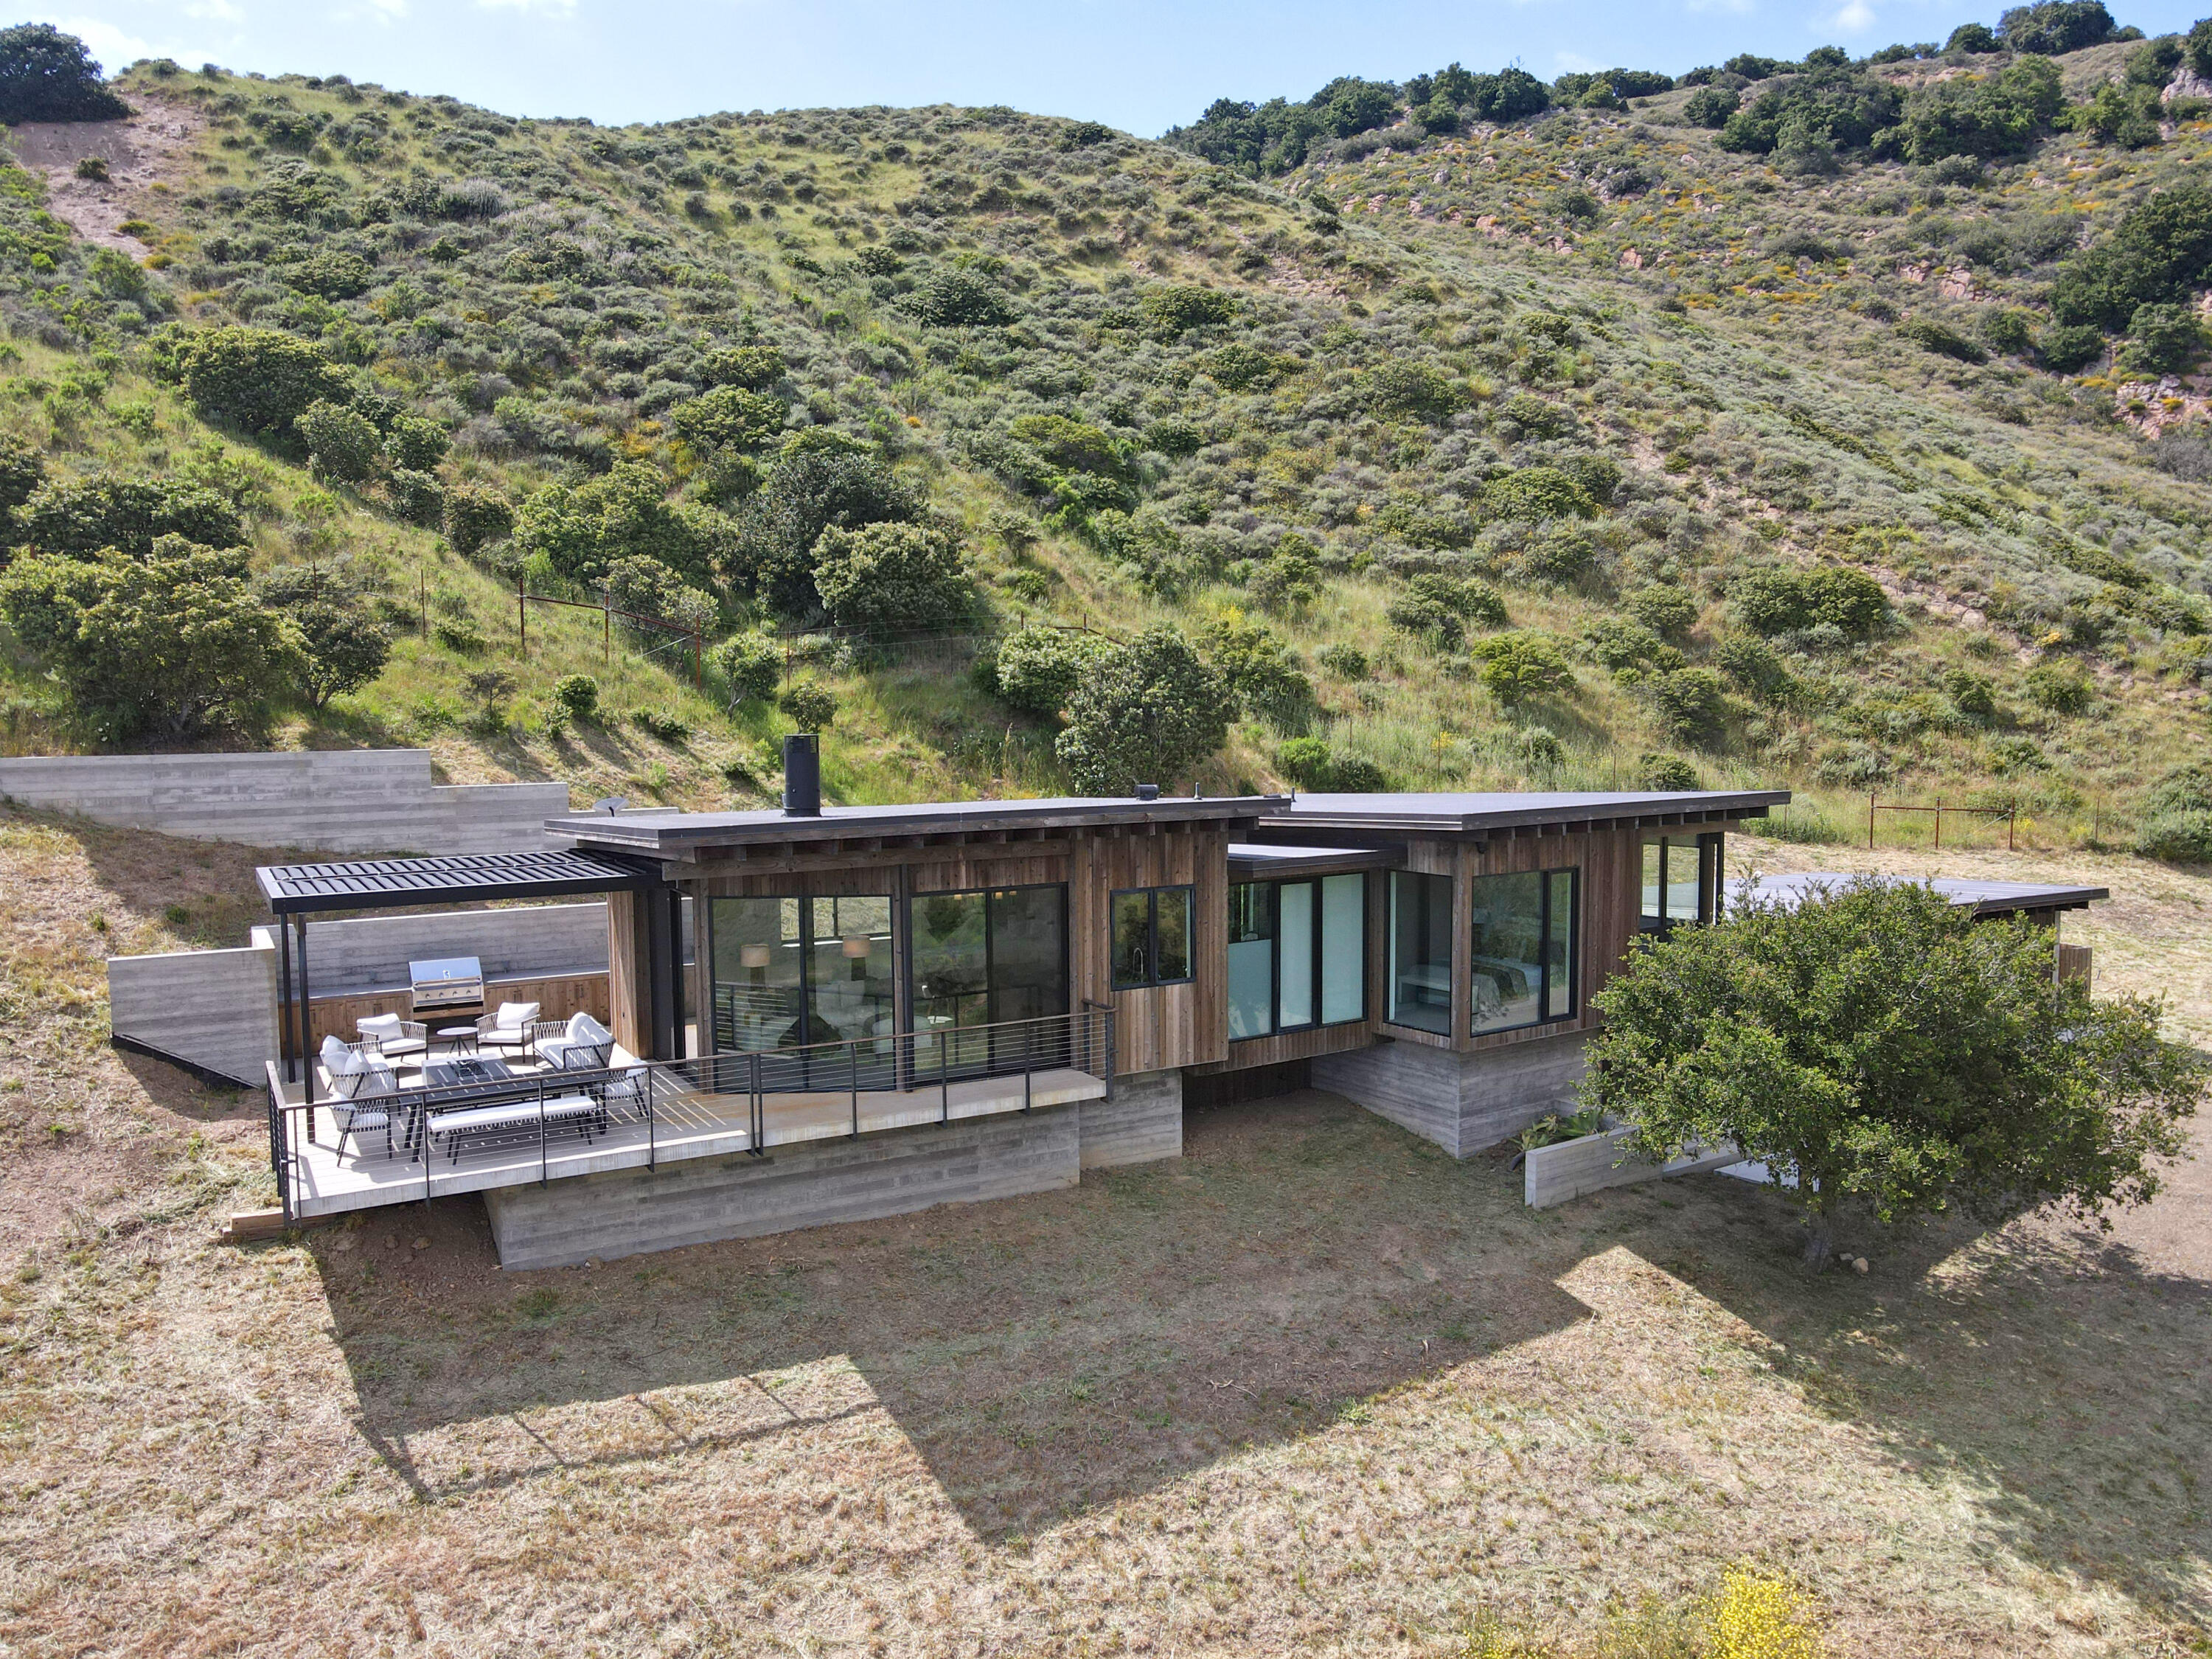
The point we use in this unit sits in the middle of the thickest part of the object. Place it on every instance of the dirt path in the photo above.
(146, 150)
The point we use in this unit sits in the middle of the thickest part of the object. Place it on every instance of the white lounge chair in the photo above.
(392, 1036)
(511, 1025)
(364, 1091)
(581, 1045)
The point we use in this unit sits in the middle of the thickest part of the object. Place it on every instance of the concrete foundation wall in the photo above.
(630, 1212)
(1553, 1175)
(1463, 1103)
(351, 800)
(216, 1009)
(1141, 1124)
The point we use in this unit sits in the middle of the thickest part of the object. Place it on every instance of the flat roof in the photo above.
(394, 884)
(1471, 814)
(1985, 898)
(1252, 859)
(681, 834)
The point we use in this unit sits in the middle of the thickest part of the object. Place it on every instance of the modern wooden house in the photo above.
(885, 1007)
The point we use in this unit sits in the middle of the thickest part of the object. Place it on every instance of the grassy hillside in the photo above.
(1502, 433)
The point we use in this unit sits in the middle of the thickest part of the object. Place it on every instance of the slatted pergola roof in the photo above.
(396, 884)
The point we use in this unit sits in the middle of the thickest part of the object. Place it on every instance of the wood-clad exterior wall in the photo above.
(629, 982)
(1611, 898)
(557, 997)
(1157, 1028)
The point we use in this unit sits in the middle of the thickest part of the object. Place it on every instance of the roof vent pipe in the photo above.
(1148, 792)
(802, 776)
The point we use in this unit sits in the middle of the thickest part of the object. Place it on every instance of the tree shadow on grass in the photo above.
(1043, 1355)
(2055, 1372)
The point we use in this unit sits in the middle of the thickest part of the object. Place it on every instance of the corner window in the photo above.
(1682, 882)
(1297, 954)
(1420, 941)
(1152, 936)
(1523, 949)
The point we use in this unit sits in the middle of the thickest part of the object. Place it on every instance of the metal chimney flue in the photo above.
(1148, 792)
(802, 776)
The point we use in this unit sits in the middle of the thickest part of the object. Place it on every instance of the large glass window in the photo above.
(1681, 881)
(1523, 955)
(1420, 933)
(792, 971)
(1297, 954)
(983, 961)
(1152, 936)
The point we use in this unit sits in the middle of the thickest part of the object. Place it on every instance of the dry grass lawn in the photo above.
(1315, 1389)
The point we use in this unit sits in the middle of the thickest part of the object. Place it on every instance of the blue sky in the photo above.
(1139, 65)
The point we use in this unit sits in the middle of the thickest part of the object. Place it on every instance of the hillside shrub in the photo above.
(1262, 672)
(577, 697)
(256, 379)
(1755, 667)
(811, 705)
(476, 517)
(1036, 670)
(415, 498)
(172, 645)
(1995, 115)
(2069, 348)
(885, 578)
(752, 665)
(2162, 339)
(580, 530)
(343, 646)
(1710, 106)
(342, 445)
(1668, 773)
(1150, 711)
(23, 469)
(771, 556)
(1346, 661)
(645, 586)
(1537, 493)
(2160, 253)
(728, 417)
(960, 297)
(1931, 336)
(80, 517)
(2054, 27)
(1669, 612)
(2176, 822)
(1773, 602)
(47, 75)
(1688, 703)
(665, 724)
(2060, 687)
(458, 634)
(1519, 667)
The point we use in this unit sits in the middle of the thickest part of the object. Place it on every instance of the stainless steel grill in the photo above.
(448, 984)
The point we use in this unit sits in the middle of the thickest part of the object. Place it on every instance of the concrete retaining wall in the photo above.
(217, 1009)
(350, 800)
(214, 1009)
(1463, 1103)
(1141, 1124)
(629, 1212)
(1553, 1175)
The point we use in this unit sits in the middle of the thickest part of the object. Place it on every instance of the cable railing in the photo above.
(478, 1124)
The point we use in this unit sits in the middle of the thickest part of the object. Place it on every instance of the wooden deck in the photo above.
(685, 1125)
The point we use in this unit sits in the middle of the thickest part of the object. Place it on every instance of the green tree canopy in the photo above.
(582, 530)
(728, 417)
(1036, 670)
(1880, 1048)
(81, 516)
(47, 75)
(1148, 711)
(883, 578)
(170, 646)
(256, 378)
(776, 528)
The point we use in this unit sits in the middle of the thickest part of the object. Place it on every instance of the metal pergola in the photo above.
(297, 892)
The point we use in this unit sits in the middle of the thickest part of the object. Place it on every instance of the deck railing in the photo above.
(438, 1129)
(907, 1062)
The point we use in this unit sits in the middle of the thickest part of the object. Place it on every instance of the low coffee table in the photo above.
(458, 1039)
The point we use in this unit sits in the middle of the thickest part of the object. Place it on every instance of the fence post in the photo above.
(1870, 820)
(1939, 824)
(521, 616)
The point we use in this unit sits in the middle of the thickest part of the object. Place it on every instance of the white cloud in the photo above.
(1855, 18)
(116, 50)
(218, 11)
(1573, 63)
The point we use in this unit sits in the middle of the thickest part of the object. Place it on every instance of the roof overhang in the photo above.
(691, 837)
(1320, 819)
(458, 879)
(1984, 898)
(1258, 861)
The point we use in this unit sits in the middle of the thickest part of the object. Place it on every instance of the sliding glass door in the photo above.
(793, 973)
(981, 961)
(1297, 954)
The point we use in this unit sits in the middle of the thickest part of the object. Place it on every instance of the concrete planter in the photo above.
(1553, 1175)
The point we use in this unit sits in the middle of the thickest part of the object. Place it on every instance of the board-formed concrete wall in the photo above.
(347, 800)
(214, 1010)
(815, 1184)
(1142, 1124)
(1463, 1103)
(1553, 1175)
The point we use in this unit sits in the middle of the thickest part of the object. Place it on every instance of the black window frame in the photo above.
(1574, 963)
(1708, 848)
(989, 894)
(1275, 1027)
(1189, 892)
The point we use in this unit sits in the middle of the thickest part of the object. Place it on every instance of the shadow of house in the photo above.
(1042, 1357)
(2053, 1372)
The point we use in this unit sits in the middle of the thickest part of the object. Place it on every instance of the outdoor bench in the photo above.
(500, 1117)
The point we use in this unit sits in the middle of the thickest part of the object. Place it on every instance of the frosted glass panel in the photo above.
(1343, 948)
(1294, 927)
